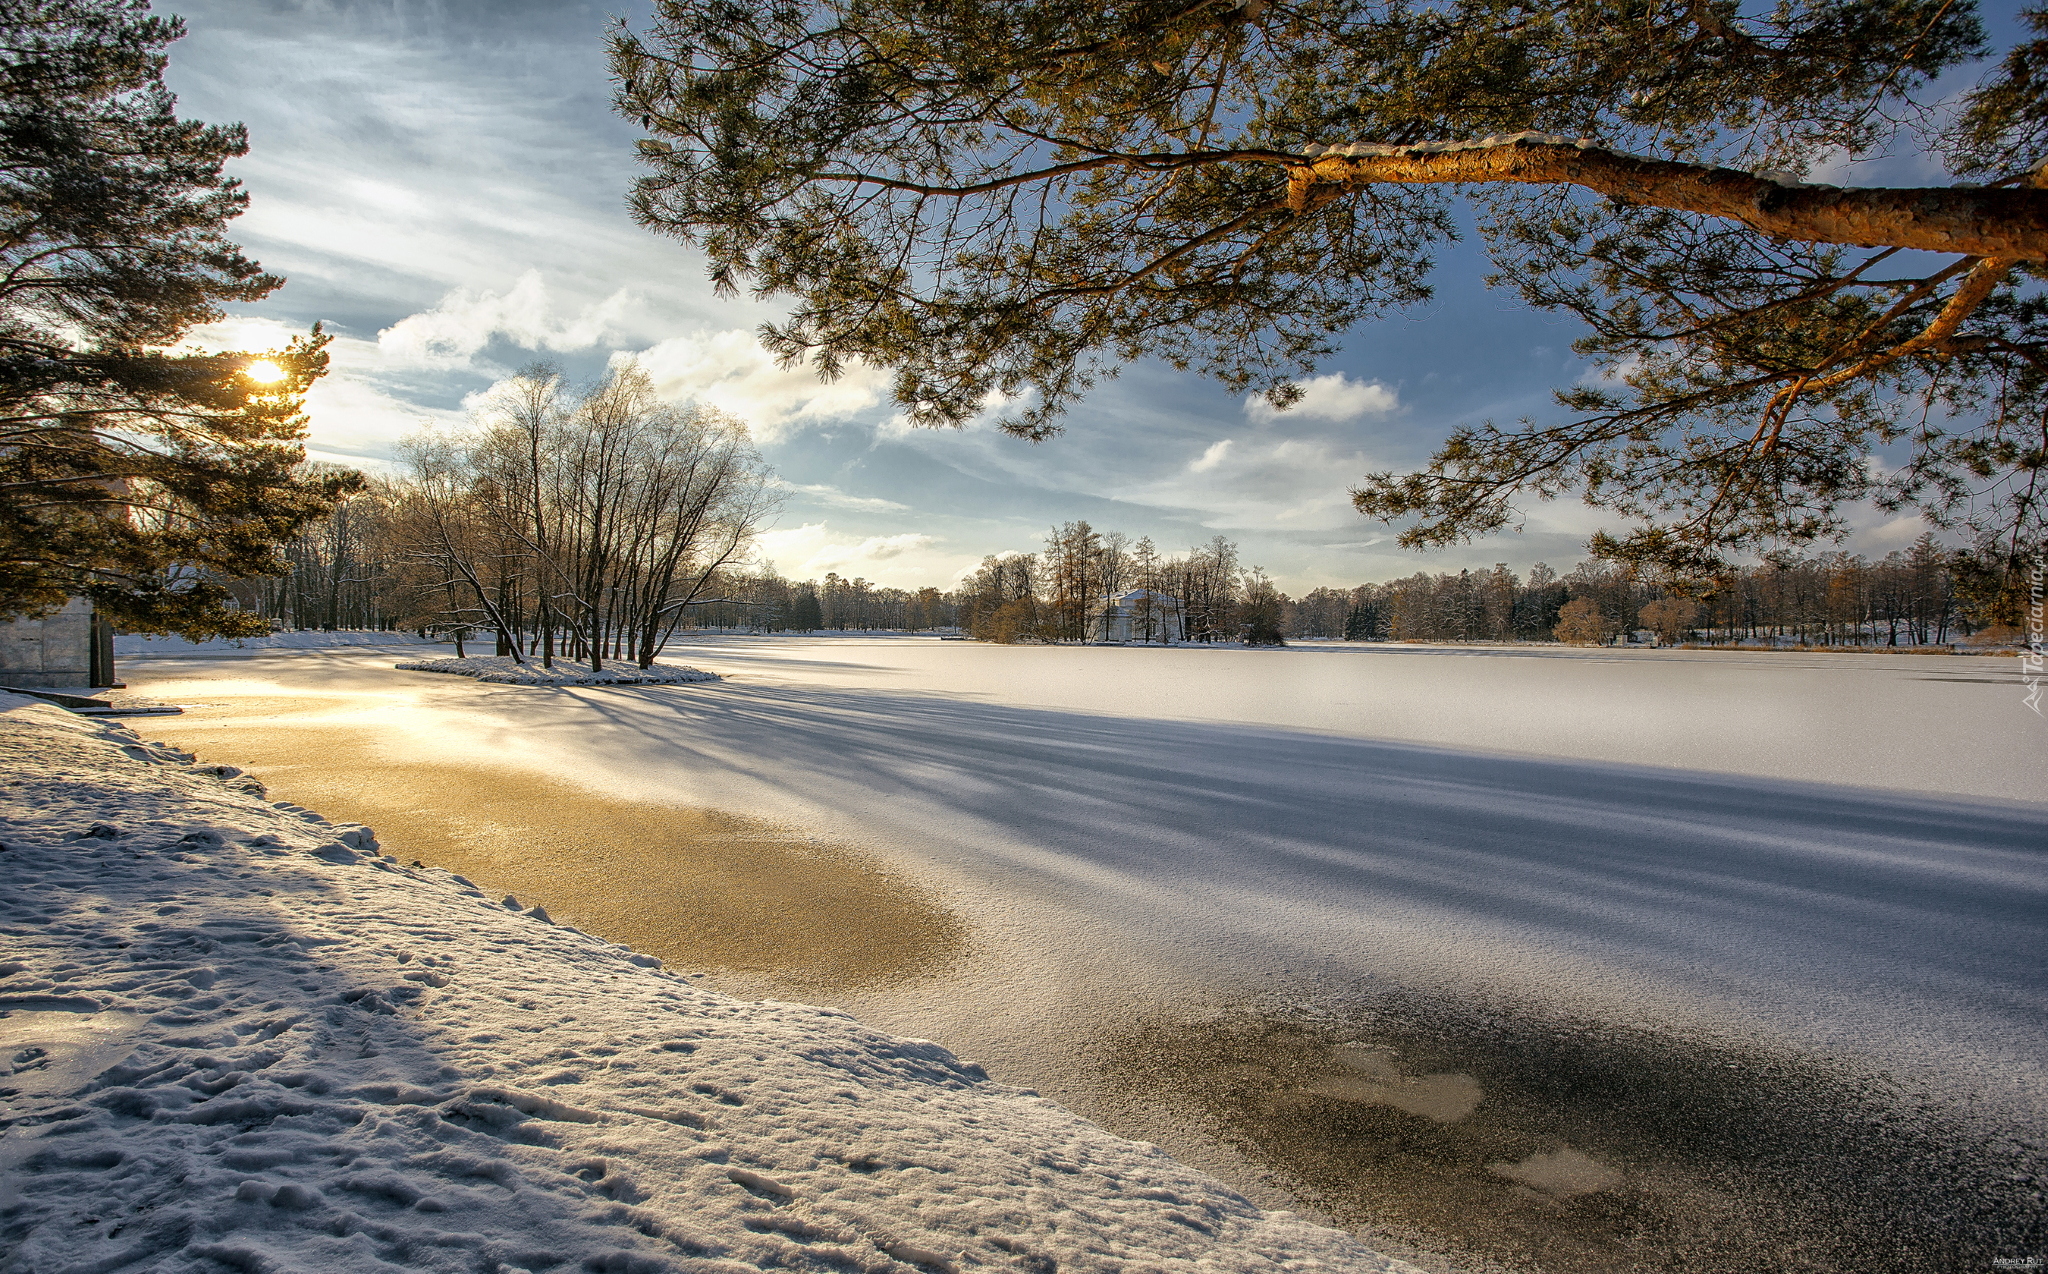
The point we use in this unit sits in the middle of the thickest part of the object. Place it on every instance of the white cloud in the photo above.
(729, 370)
(355, 417)
(419, 149)
(239, 332)
(1288, 484)
(1335, 397)
(821, 493)
(995, 405)
(1614, 378)
(909, 560)
(1911, 167)
(465, 321)
(880, 548)
(372, 394)
(1896, 532)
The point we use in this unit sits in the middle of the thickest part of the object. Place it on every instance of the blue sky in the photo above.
(444, 185)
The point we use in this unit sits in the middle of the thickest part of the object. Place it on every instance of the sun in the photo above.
(264, 372)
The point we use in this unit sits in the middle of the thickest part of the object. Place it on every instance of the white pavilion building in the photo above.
(1142, 615)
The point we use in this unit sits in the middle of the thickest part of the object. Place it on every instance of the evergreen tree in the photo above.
(128, 474)
(805, 615)
(1364, 622)
(1538, 603)
(1012, 199)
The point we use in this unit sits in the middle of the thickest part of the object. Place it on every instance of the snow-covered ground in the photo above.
(137, 644)
(507, 671)
(240, 1039)
(1834, 856)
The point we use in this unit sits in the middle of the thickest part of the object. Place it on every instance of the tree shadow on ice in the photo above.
(1724, 885)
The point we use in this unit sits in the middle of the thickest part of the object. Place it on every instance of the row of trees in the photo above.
(767, 602)
(1072, 588)
(1924, 595)
(339, 574)
(449, 547)
(421, 554)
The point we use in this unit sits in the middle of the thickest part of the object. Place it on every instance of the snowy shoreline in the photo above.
(504, 670)
(143, 645)
(243, 1039)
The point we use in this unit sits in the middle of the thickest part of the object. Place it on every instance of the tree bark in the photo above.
(2008, 222)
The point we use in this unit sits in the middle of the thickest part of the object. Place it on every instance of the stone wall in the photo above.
(53, 651)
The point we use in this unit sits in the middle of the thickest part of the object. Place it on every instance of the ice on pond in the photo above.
(1561, 1173)
(1377, 1081)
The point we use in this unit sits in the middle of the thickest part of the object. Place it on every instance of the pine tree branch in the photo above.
(1981, 221)
(2009, 223)
(1976, 287)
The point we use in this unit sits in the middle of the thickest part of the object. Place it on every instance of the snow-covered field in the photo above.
(238, 1038)
(1831, 857)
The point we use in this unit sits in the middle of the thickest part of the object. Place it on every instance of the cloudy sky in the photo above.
(443, 185)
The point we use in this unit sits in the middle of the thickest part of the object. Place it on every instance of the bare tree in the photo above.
(440, 521)
(598, 516)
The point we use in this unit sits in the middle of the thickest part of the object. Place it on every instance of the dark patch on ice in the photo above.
(1592, 1147)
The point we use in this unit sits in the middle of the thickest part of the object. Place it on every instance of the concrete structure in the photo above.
(1143, 614)
(70, 647)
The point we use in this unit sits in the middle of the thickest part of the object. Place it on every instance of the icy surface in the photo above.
(240, 1038)
(310, 639)
(1845, 856)
(505, 670)
(1843, 853)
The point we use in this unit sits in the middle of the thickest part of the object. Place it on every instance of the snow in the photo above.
(243, 1039)
(505, 670)
(1529, 137)
(141, 644)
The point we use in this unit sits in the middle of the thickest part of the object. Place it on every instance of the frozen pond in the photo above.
(1282, 910)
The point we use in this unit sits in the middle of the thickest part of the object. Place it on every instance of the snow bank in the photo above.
(311, 639)
(242, 1039)
(502, 668)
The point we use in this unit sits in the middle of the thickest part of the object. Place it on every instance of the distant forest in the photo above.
(368, 567)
